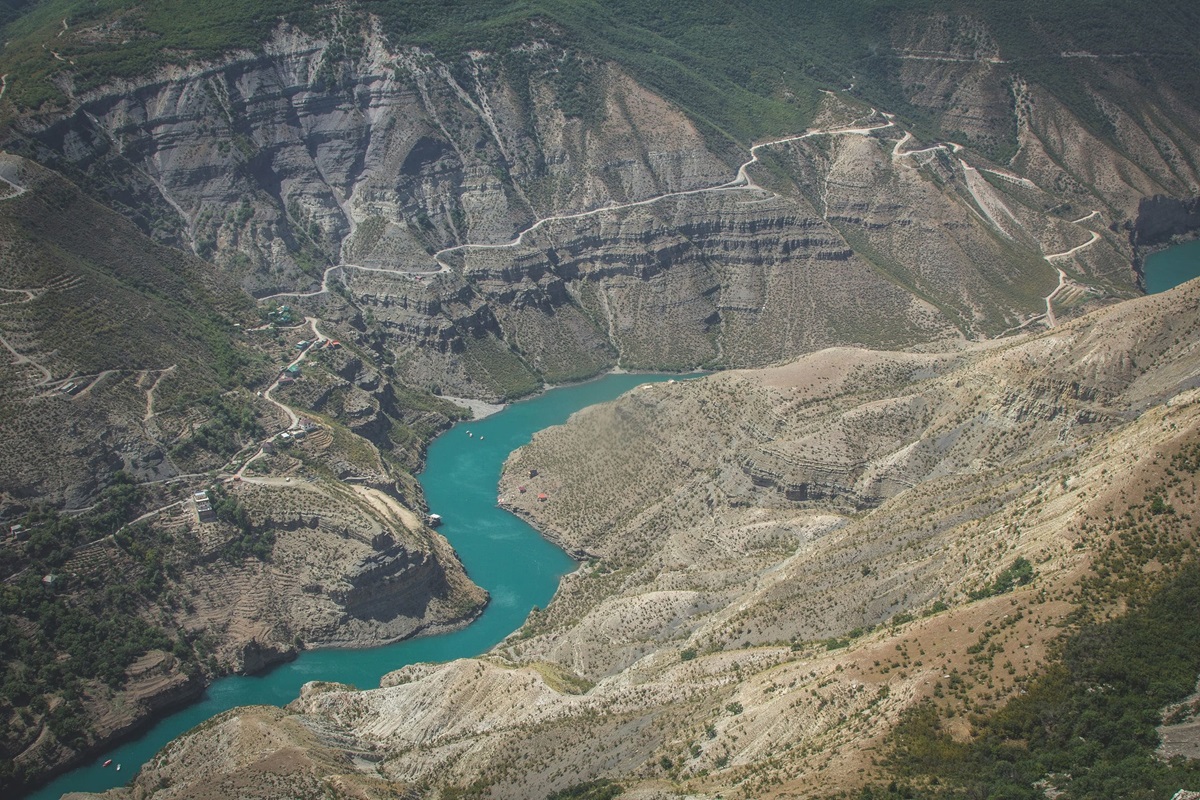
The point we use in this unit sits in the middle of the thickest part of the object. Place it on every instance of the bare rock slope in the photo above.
(778, 563)
(493, 241)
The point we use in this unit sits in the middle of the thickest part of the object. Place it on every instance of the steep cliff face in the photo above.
(348, 566)
(498, 241)
(484, 222)
(1160, 218)
(281, 161)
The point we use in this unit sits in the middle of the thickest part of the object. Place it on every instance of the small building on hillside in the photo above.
(204, 509)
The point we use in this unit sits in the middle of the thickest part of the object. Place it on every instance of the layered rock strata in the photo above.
(731, 640)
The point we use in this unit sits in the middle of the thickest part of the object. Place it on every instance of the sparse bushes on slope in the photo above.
(229, 428)
(1019, 574)
(602, 789)
(1086, 726)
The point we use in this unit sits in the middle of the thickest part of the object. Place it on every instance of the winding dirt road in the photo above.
(741, 180)
(1062, 281)
(1068, 253)
(1062, 276)
(19, 358)
(162, 373)
(17, 191)
(319, 340)
(30, 296)
(990, 210)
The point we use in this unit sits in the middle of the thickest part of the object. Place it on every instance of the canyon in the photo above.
(496, 242)
(920, 304)
(700, 646)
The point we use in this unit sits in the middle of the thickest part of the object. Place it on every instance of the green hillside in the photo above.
(105, 297)
(742, 69)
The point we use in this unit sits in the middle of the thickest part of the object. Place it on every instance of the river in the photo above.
(1168, 268)
(501, 553)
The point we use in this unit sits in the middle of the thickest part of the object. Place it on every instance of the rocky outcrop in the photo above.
(255, 657)
(1161, 218)
(392, 583)
(347, 566)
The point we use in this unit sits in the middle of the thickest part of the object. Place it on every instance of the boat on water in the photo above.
(118, 767)
(106, 763)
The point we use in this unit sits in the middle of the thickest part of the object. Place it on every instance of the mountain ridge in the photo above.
(719, 187)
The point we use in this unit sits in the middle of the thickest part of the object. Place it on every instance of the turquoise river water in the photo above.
(1167, 269)
(501, 553)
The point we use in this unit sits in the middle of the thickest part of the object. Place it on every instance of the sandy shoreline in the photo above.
(480, 408)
